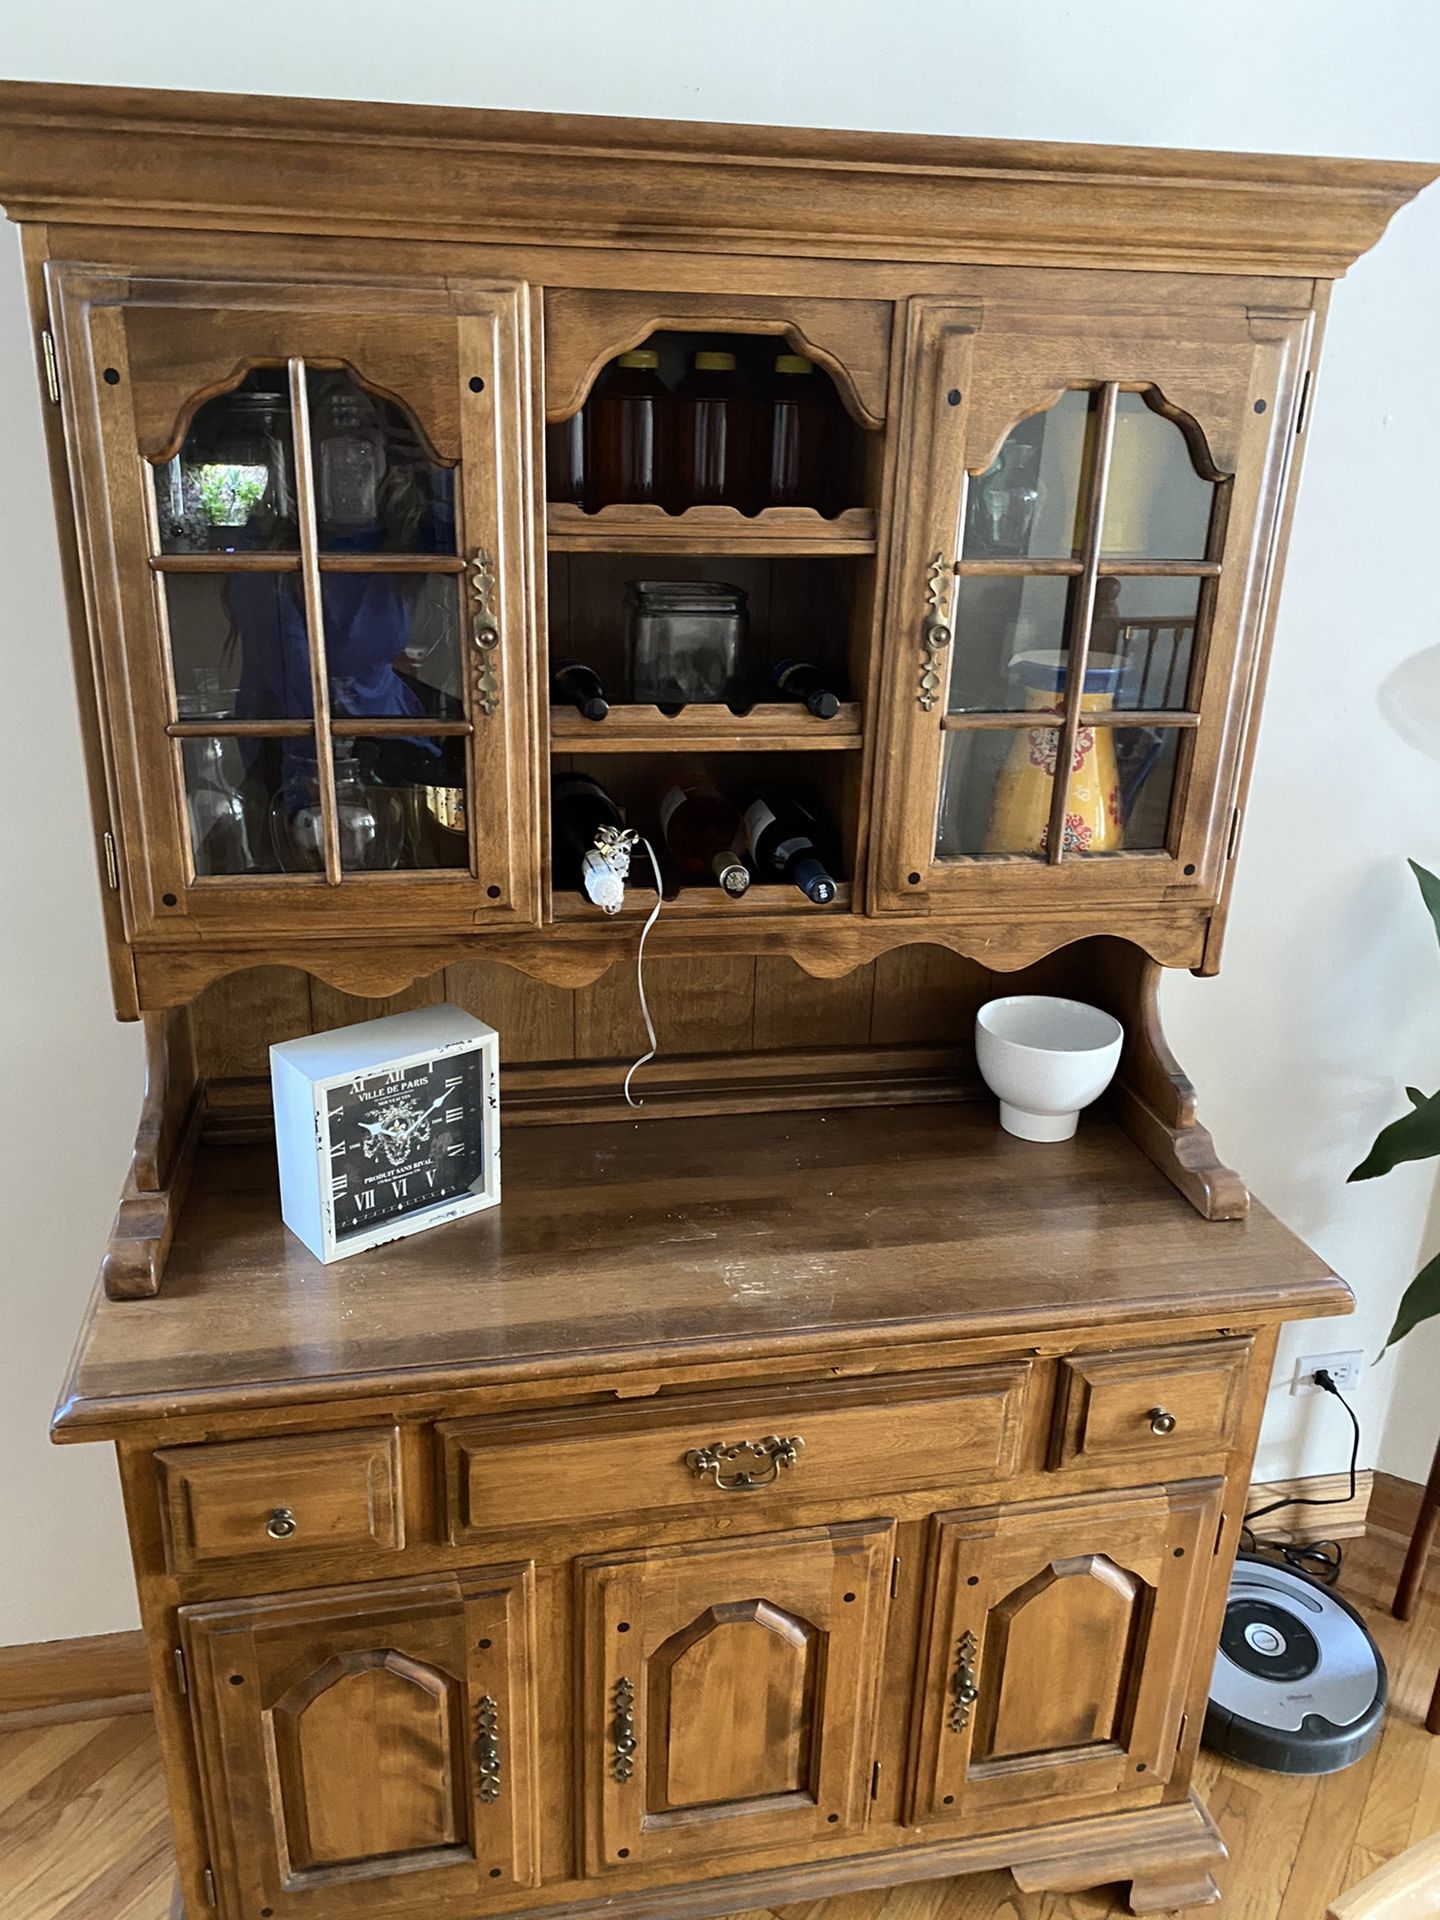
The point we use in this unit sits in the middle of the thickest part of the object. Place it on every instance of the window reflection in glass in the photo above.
(994, 792)
(392, 644)
(228, 785)
(231, 487)
(238, 646)
(998, 621)
(1157, 507)
(376, 488)
(1027, 504)
(1147, 626)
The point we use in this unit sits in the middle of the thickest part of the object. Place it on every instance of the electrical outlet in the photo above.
(1343, 1368)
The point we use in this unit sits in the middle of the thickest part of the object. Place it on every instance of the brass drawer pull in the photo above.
(281, 1524)
(622, 1730)
(963, 1690)
(772, 1450)
(1161, 1422)
(487, 1748)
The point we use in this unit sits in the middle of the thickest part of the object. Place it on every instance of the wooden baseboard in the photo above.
(57, 1680)
(1395, 1506)
(1346, 1520)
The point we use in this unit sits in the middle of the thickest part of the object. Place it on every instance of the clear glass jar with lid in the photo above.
(686, 641)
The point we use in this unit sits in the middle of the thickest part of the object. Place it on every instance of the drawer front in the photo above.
(260, 1498)
(1149, 1404)
(705, 1452)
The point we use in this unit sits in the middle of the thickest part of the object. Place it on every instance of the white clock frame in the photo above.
(303, 1072)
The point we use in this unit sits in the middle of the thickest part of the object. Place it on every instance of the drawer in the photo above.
(311, 1493)
(870, 1439)
(1149, 1403)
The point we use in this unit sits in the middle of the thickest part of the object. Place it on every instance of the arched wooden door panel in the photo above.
(369, 1748)
(1057, 1650)
(729, 1693)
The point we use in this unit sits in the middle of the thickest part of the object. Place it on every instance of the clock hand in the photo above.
(421, 1118)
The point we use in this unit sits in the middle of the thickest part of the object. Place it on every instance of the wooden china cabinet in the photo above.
(796, 1484)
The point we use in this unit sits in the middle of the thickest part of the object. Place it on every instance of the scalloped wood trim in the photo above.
(577, 953)
(1167, 1859)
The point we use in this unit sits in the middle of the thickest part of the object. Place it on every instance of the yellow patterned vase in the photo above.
(1024, 786)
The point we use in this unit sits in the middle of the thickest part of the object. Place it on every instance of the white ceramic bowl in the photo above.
(1045, 1059)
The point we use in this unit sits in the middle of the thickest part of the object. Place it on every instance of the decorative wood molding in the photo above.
(125, 156)
(576, 953)
(53, 1680)
(1394, 1505)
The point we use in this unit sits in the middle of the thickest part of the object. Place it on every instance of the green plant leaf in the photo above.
(1421, 1302)
(1429, 892)
(1414, 1136)
(1416, 1098)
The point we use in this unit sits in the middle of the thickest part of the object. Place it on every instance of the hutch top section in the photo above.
(927, 493)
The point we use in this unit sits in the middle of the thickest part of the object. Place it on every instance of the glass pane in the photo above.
(231, 488)
(376, 488)
(237, 643)
(1144, 633)
(229, 785)
(1157, 506)
(1002, 627)
(995, 787)
(1120, 795)
(1027, 505)
(392, 644)
(399, 803)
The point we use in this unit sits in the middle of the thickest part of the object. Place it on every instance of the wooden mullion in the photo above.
(1019, 569)
(1082, 613)
(1176, 717)
(391, 563)
(314, 617)
(221, 729)
(1160, 569)
(248, 562)
(377, 727)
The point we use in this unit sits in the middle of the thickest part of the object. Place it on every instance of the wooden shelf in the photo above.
(778, 531)
(702, 903)
(779, 727)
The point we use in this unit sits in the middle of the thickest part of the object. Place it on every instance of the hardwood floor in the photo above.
(83, 1831)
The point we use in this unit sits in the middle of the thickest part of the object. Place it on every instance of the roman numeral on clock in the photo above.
(365, 1200)
(340, 1184)
(455, 1148)
(453, 1116)
(399, 1188)
(452, 1081)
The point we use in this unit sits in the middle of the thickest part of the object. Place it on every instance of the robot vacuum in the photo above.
(1299, 1686)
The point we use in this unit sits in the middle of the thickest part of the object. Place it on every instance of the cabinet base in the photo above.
(1164, 1853)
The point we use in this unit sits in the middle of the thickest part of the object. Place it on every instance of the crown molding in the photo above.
(139, 157)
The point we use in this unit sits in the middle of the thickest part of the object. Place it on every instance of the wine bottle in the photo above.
(705, 833)
(579, 808)
(783, 837)
(801, 680)
(575, 684)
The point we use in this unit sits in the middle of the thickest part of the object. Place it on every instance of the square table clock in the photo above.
(386, 1128)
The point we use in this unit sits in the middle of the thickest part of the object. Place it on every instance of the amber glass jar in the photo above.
(629, 438)
(795, 419)
(714, 436)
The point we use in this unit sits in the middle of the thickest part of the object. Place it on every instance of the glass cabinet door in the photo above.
(316, 637)
(1075, 606)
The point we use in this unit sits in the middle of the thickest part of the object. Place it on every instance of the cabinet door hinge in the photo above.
(894, 1576)
(182, 1678)
(112, 864)
(1233, 842)
(1302, 412)
(52, 365)
(209, 1878)
(875, 1781)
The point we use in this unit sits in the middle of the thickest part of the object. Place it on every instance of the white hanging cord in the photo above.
(645, 1058)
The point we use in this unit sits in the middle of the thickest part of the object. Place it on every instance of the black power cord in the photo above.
(1321, 1559)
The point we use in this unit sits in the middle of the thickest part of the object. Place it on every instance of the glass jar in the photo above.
(686, 641)
(349, 461)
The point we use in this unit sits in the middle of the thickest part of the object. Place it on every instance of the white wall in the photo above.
(1328, 997)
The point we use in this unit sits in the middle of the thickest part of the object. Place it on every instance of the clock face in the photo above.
(405, 1138)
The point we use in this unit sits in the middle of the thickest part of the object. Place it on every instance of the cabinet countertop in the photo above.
(679, 1242)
